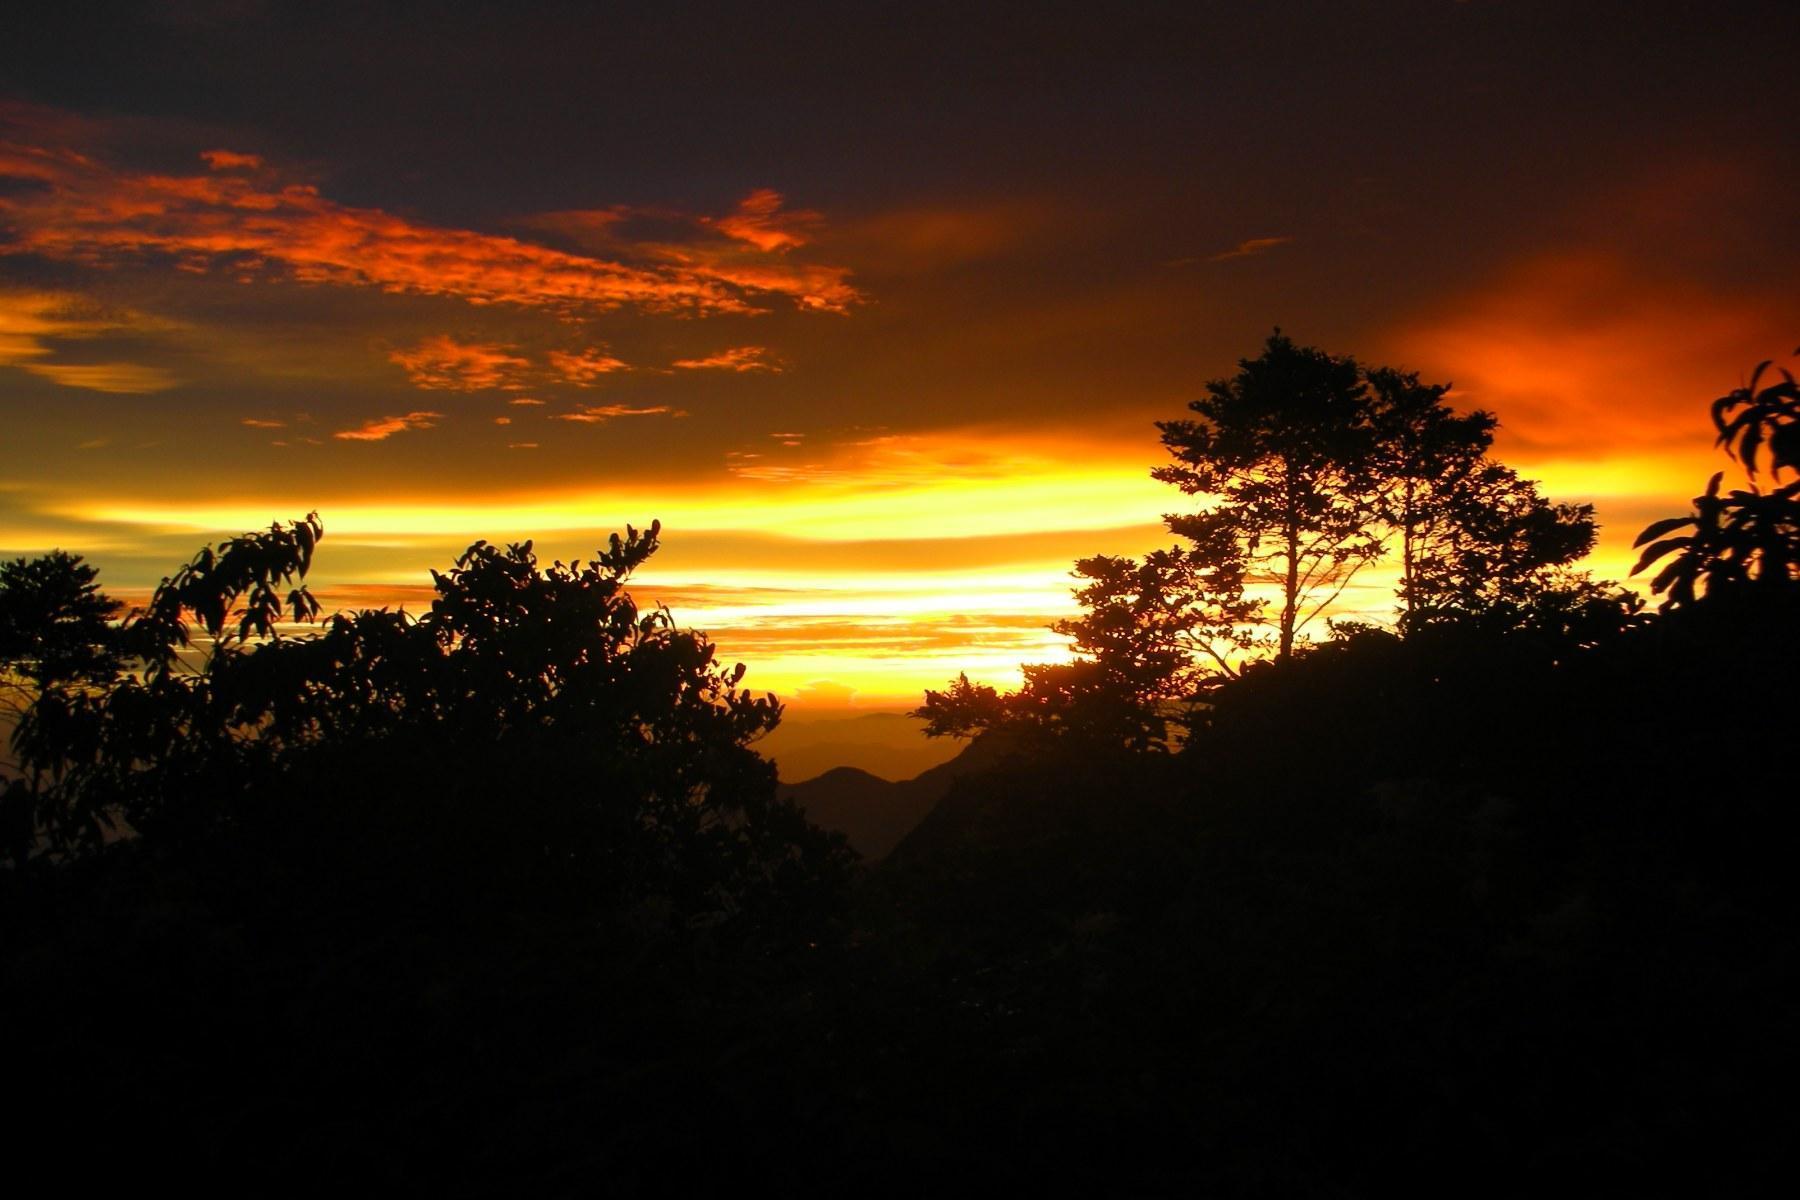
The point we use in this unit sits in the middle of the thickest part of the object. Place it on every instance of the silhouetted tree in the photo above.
(1151, 633)
(1743, 547)
(1314, 469)
(1474, 538)
(961, 710)
(653, 787)
(56, 634)
(1286, 449)
(56, 625)
(89, 743)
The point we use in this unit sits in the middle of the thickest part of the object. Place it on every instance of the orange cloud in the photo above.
(381, 428)
(258, 423)
(582, 367)
(738, 358)
(598, 414)
(527, 401)
(750, 259)
(760, 221)
(1578, 352)
(228, 160)
(1600, 373)
(442, 362)
(70, 207)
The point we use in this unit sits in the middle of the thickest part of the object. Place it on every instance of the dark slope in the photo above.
(890, 745)
(874, 813)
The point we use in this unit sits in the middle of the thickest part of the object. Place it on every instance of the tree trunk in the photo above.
(1291, 591)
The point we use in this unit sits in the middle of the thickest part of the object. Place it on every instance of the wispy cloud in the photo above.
(442, 362)
(738, 358)
(260, 423)
(598, 414)
(126, 379)
(381, 428)
(242, 216)
(1249, 248)
(583, 367)
(31, 323)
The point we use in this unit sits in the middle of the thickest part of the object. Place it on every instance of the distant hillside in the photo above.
(876, 813)
(890, 745)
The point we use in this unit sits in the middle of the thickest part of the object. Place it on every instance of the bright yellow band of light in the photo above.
(879, 631)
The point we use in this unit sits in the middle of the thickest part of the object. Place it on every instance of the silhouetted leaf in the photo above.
(1658, 528)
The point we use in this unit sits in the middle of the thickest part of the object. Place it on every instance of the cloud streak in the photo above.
(601, 413)
(381, 428)
(738, 358)
(1249, 248)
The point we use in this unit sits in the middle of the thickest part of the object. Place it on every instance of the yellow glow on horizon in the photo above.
(885, 632)
(953, 486)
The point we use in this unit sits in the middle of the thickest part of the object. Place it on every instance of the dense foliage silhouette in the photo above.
(498, 897)
(1742, 548)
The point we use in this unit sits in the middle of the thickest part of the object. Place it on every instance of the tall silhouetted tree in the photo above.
(1286, 450)
(1313, 470)
(1474, 539)
(1424, 452)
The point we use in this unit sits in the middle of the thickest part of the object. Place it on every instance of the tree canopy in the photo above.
(1285, 449)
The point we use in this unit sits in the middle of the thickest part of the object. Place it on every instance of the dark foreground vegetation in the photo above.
(500, 898)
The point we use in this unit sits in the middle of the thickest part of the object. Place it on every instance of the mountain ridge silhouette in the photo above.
(876, 813)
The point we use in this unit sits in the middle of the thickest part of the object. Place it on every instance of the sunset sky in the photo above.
(873, 305)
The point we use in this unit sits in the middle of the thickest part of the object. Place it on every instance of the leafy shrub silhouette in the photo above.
(1742, 547)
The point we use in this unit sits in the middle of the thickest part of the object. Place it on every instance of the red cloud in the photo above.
(75, 208)
(582, 367)
(750, 258)
(228, 160)
(443, 362)
(739, 358)
(381, 428)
